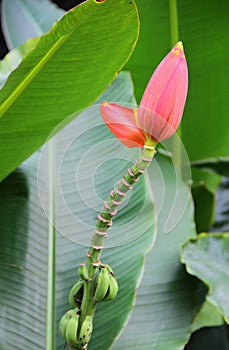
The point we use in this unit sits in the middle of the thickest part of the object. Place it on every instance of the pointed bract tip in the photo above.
(178, 49)
(179, 45)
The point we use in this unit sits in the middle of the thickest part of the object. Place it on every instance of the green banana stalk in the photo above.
(102, 285)
(76, 293)
(85, 332)
(71, 332)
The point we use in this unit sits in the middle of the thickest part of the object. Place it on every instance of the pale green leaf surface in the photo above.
(204, 32)
(13, 58)
(68, 70)
(167, 298)
(207, 257)
(25, 19)
(208, 316)
(23, 262)
(25, 252)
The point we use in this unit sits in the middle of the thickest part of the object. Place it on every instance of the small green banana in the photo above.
(102, 285)
(64, 321)
(85, 332)
(76, 293)
(71, 332)
(112, 289)
(63, 324)
(83, 272)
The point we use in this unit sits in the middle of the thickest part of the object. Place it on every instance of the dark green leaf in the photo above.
(210, 180)
(217, 165)
(204, 202)
(222, 207)
(68, 70)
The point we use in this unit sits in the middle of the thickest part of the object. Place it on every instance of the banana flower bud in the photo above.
(161, 107)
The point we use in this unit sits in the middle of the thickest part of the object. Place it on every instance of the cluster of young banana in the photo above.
(68, 328)
(106, 287)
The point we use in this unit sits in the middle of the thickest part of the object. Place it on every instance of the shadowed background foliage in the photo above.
(65, 4)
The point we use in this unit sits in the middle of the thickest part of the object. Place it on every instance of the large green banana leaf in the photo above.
(68, 69)
(210, 315)
(207, 258)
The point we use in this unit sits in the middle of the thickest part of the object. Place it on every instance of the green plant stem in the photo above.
(104, 222)
(50, 318)
(174, 38)
(174, 31)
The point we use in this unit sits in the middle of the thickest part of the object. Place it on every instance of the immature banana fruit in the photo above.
(71, 332)
(107, 286)
(76, 293)
(85, 332)
(65, 320)
(113, 288)
(76, 330)
(102, 285)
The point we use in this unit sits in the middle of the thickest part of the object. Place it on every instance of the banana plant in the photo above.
(60, 82)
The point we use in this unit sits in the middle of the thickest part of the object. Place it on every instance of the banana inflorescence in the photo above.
(77, 332)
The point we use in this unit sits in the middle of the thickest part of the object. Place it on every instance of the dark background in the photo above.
(65, 4)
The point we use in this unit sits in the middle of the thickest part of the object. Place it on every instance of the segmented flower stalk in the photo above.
(104, 222)
(117, 195)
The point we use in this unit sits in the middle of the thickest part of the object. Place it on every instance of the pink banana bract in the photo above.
(161, 107)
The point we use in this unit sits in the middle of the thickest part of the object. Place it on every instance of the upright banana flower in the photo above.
(161, 107)
(156, 119)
